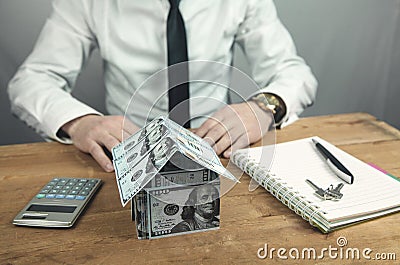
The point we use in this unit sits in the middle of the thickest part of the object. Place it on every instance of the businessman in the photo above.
(139, 38)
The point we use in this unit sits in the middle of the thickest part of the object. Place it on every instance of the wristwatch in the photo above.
(271, 103)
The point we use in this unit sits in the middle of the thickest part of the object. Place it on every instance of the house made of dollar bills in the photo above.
(172, 177)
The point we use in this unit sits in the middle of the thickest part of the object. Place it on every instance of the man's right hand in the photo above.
(91, 133)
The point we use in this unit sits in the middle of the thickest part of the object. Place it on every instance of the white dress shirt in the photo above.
(131, 38)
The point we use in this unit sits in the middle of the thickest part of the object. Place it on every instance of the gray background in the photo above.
(352, 47)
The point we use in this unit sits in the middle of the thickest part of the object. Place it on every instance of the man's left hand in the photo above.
(235, 126)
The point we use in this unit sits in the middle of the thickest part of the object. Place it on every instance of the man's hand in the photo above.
(91, 133)
(235, 126)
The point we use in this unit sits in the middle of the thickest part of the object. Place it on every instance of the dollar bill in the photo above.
(182, 209)
(132, 156)
(122, 148)
(139, 208)
(135, 179)
(197, 149)
(169, 176)
(138, 159)
(182, 177)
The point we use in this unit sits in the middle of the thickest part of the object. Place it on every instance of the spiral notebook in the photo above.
(373, 193)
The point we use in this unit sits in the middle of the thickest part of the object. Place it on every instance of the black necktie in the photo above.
(178, 95)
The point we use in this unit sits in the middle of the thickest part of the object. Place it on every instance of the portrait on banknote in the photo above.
(160, 155)
(200, 211)
(183, 209)
(148, 142)
(152, 138)
(150, 127)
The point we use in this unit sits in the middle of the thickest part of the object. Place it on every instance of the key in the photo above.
(335, 192)
(321, 193)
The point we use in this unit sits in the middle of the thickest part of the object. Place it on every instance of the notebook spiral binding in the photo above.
(278, 188)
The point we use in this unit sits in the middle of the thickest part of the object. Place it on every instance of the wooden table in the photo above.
(249, 220)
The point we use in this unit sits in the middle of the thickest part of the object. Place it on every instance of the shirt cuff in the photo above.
(65, 112)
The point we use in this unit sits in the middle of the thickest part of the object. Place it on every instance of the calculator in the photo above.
(59, 203)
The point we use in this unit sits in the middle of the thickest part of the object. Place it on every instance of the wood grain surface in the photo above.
(249, 220)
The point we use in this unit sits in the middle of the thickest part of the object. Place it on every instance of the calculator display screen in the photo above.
(51, 208)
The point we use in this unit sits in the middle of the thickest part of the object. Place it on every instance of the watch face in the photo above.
(273, 100)
(264, 103)
(269, 102)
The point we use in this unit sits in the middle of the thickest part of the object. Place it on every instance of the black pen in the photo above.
(337, 167)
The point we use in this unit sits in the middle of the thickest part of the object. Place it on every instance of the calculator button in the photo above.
(90, 184)
(74, 192)
(83, 180)
(80, 184)
(76, 188)
(52, 183)
(48, 187)
(58, 187)
(93, 180)
(44, 191)
(54, 191)
(63, 181)
(40, 196)
(84, 192)
(87, 188)
(50, 196)
(70, 197)
(80, 197)
(55, 179)
(60, 196)
(67, 187)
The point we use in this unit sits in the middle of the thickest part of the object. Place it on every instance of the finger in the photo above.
(227, 140)
(114, 131)
(108, 140)
(218, 117)
(101, 158)
(119, 134)
(119, 127)
(215, 133)
(206, 126)
(223, 143)
(241, 142)
(210, 141)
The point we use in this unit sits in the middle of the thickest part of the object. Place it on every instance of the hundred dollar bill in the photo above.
(183, 209)
(182, 178)
(197, 149)
(137, 177)
(139, 208)
(140, 150)
(180, 170)
(170, 175)
(122, 148)
(159, 146)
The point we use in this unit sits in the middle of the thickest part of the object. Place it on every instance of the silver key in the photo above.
(335, 192)
(318, 191)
